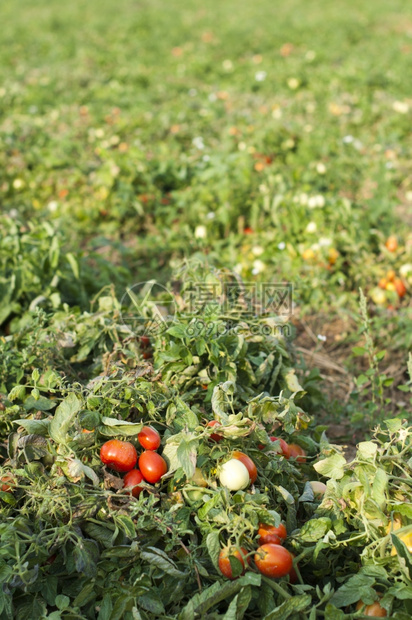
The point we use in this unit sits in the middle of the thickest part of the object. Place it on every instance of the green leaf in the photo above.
(213, 547)
(367, 450)
(356, 588)
(333, 613)
(35, 427)
(379, 488)
(315, 529)
(403, 552)
(221, 397)
(181, 451)
(85, 555)
(177, 331)
(151, 602)
(62, 602)
(111, 427)
(17, 393)
(331, 467)
(358, 351)
(394, 425)
(361, 380)
(161, 560)
(187, 456)
(126, 524)
(291, 606)
(40, 404)
(64, 417)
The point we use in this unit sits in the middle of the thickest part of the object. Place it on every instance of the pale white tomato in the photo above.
(234, 475)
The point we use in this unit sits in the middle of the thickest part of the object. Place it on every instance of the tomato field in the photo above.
(205, 310)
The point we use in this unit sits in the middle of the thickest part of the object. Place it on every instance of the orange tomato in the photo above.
(295, 451)
(374, 610)
(400, 287)
(391, 243)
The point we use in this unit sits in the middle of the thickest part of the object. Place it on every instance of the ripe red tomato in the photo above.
(152, 466)
(249, 464)
(297, 452)
(215, 436)
(147, 355)
(118, 455)
(224, 561)
(144, 341)
(5, 487)
(284, 447)
(273, 560)
(272, 534)
(133, 479)
(149, 438)
(374, 610)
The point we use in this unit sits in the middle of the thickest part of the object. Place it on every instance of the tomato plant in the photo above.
(273, 560)
(118, 455)
(249, 464)
(152, 466)
(271, 533)
(225, 557)
(149, 438)
(132, 480)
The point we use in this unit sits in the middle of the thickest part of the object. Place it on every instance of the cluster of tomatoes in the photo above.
(271, 558)
(121, 456)
(393, 283)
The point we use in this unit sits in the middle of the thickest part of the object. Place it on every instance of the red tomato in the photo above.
(271, 534)
(147, 355)
(149, 438)
(152, 466)
(144, 341)
(297, 452)
(215, 436)
(273, 560)
(224, 561)
(284, 447)
(131, 480)
(248, 230)
(249, 464)
(374, 610)
(5, 479)
(118, 455)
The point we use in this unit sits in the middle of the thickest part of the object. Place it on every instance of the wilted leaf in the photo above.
(64, 417)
